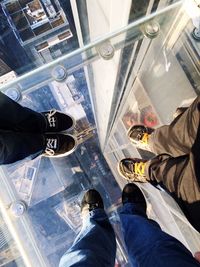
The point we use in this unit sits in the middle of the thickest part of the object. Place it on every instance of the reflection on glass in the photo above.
(9, 253)
(142, 112)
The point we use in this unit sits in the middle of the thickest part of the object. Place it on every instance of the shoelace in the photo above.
(134, 172)
(93, 206)
(50, 117)
(51, 146)
(139, 168)
(49, 152)
(144, 139)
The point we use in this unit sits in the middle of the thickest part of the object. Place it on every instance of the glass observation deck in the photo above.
(110, 64)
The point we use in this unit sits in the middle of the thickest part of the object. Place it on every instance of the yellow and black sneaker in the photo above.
(139, 136)
(133, 169)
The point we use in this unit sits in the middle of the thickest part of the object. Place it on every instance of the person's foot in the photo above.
(59, 145)
(57, 121)
(132, 194)
(139, 136)
(91, 200)
(133, 169)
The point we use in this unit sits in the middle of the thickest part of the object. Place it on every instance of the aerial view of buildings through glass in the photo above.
(110, 65)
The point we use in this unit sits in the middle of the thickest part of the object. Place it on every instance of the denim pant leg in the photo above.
(16, 146)
(15, 117)
(95, 246)
(148, 245)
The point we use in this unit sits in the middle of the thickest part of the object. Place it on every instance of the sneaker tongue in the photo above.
(52, 122)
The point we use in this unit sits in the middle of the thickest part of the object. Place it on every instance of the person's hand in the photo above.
(197, 256)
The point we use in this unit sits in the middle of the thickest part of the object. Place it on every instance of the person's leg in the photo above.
(146, 243)
(179, 177)
(17, 146)
(177, 138)
(95, 245)
(15, 117)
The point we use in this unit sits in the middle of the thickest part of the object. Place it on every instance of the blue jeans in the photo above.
(95, 246)
(146, 243)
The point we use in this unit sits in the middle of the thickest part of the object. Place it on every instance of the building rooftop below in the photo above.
(32, 18)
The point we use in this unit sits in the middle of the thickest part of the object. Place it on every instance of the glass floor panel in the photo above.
(139, 72)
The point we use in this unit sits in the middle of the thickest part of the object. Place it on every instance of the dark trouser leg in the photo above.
(148, 245)
(177, 138)
(15, 117)
(178, 175)
(17, 146)
(181, 174)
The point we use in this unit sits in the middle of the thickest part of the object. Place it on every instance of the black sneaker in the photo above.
(132, 194)
(139, 136)
(59, 145)
(92, 200)
(133, 169)
(57, 121)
